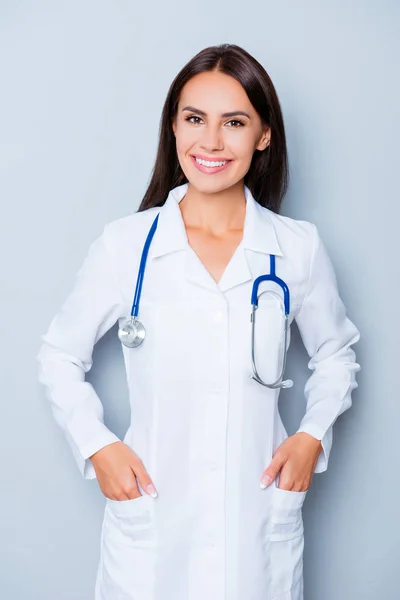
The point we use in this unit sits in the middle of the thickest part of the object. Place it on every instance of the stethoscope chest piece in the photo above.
(132, 333)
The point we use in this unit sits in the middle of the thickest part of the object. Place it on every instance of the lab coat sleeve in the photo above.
(327, 334)
(65, 355)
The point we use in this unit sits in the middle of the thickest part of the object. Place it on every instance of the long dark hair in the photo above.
(268, 175)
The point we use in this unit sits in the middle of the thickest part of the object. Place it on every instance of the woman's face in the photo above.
(217, 131)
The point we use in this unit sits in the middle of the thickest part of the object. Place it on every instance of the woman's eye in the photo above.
(193, 117)
(236, 122)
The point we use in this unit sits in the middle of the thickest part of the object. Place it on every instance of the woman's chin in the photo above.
(211, 184)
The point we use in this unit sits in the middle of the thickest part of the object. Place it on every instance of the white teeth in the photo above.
(211, 163)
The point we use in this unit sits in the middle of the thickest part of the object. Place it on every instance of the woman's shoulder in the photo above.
(133, 222)
(130, 230)
(293, 235)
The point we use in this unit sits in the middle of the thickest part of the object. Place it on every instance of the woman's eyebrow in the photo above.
(224, 115)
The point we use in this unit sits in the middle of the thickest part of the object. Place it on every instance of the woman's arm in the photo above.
(328, 335)
(91, 309)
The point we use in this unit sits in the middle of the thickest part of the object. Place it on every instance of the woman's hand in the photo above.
(295, 459)
(117, 467)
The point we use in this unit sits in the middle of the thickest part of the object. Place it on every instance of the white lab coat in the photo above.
(204, 429)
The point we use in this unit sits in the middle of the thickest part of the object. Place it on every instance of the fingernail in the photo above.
(150, 489)
(265, 481)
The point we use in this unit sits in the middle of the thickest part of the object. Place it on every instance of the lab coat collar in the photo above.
(259, 233)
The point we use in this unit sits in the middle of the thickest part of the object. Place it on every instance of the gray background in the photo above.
(83, 85)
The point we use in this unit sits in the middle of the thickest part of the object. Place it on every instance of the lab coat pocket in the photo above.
(128, 548)
(133, 514)
(286, 542)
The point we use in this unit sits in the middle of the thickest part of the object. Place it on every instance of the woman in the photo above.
(204, 495)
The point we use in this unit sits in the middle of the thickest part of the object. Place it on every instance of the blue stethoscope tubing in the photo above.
(132, 331)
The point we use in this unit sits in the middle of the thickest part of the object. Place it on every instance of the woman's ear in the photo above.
(173, 126)
(264, 140)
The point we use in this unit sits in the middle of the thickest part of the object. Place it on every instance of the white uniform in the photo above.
(204, 429)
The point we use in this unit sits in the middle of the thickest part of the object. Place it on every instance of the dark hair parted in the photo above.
(268, 175)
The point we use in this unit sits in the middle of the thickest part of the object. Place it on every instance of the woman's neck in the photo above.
(214, 213)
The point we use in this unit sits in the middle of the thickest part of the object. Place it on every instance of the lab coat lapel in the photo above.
(258, 237)
(171, 237)
(196, 272)
(237, 270)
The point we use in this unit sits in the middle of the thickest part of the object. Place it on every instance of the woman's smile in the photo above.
(209, 166)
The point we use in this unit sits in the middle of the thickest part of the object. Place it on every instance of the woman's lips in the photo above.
(209, 170)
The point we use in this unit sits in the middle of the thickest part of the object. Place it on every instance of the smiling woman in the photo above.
(222, 98)
(225, 521)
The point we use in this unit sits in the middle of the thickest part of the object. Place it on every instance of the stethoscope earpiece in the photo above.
(287, 384)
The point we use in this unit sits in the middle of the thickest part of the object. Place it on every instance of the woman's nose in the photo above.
(212, 139)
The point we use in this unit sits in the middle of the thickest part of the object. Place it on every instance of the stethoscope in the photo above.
(132, 332)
